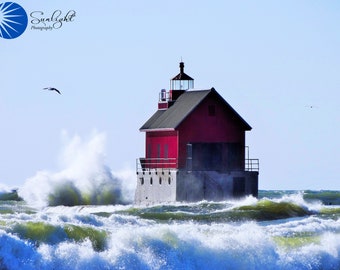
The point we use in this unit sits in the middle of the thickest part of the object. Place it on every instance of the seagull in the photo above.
(52, 89)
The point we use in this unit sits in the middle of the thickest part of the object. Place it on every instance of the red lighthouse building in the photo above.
(194, 148)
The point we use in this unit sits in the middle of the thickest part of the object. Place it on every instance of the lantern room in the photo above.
(181, 81)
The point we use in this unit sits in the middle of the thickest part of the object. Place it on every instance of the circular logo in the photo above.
(13, 20)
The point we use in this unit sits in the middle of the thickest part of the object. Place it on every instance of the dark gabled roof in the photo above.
(173, 116)
(183, 106)
(182, 76)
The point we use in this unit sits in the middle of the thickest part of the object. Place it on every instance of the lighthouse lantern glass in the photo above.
(182, 84)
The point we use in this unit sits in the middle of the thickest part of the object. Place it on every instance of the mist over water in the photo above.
(84, 177)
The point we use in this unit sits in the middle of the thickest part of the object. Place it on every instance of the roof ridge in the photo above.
(183, 106)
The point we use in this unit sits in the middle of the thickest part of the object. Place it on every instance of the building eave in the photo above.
(156, 129)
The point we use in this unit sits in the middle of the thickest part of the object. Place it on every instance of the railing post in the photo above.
(156, 163)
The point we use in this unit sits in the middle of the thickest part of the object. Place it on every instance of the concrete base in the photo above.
(214, 186)
(169, 185)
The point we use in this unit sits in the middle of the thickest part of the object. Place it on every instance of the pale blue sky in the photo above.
(271, 60)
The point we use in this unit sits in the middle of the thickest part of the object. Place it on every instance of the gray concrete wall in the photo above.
(156, 186)
(214, 186)
(166, 185)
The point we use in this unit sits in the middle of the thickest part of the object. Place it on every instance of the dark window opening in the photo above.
(166, 150)
(158, 150)
(151, 181)
(216, 157)
(149, 152)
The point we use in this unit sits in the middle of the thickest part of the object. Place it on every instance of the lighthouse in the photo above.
(194, 148)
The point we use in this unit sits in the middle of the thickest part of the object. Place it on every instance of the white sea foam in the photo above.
(298, 199)
(135, 243)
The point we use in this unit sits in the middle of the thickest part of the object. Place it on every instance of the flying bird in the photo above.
(52, 89)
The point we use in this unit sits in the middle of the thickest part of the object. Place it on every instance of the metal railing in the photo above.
(252, 165)
(164, 96)
(145, 164)
(156, 163)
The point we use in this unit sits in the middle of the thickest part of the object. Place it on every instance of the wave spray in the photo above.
(84, 179)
